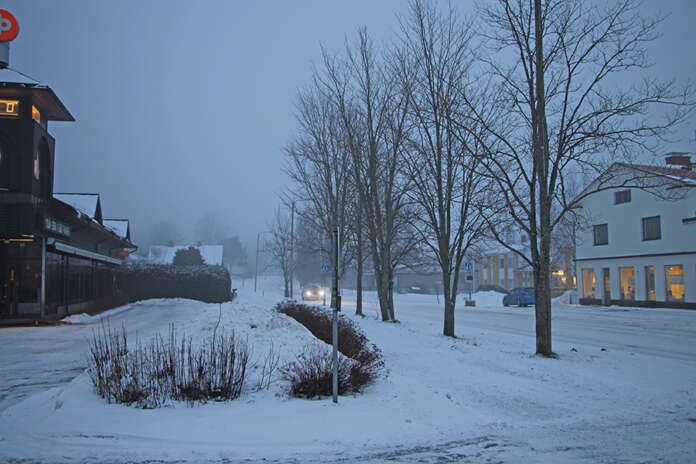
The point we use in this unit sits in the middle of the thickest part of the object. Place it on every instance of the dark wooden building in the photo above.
(56, 256)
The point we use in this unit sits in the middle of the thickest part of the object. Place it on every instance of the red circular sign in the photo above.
(9, 28)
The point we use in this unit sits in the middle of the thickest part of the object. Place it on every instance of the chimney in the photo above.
(679, 159)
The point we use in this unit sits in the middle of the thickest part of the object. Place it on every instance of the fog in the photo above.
(183, 108)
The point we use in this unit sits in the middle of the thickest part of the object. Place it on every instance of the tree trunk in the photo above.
(448, 329)
(542, 290)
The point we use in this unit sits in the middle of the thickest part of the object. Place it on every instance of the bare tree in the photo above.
(567, 99)
(441, 160)
(318, 162)
(279, 247)
(374, 102)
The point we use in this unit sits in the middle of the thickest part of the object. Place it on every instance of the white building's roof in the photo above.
(161, 254)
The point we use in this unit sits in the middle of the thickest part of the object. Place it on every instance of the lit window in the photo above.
(601, 234)
(35, 114)
(622, 196)
(588, 283)
(674, 282)
(628, 283)
(651, 228)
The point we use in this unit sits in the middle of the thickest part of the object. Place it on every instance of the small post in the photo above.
(256, 269)
(336, 299)
(292, 249)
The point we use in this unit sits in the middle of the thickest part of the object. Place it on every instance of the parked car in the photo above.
(520, 296)
(313, 292)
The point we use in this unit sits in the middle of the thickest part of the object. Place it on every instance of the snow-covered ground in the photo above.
(623, 390)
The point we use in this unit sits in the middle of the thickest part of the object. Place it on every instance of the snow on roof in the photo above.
(13, 77)
(161, 254)
(119, 226)
(684, 175)
(86, 203)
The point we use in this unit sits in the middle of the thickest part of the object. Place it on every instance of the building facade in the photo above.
(56, 254)
(637, 246)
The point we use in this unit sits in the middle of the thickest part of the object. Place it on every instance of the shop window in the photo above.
(651, 228)
(650, 283)
(588, 283)
(674, 282)
(622, 196)
(601, 234)
(628, 283)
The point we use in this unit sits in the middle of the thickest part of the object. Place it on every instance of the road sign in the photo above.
(468, 267)
(325, 267)
(9, 28)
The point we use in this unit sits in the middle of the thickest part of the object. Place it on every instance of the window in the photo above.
(628, 283)
(502, 261)
(674, 282)
(650, 283)
(601, 234)
(35, 114)
(588, 283)
(622, 196)
(651, 228)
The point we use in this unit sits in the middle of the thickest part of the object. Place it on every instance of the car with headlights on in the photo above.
(520, 296)
(313, 292)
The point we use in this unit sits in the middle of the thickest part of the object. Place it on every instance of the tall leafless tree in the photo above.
(380, 100)
(319, 164)
(279, 248)
(441, 158)
(570, 96)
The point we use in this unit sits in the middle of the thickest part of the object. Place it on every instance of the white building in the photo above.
(637, 246)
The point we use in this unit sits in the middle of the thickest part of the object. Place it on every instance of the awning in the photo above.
(62, 247)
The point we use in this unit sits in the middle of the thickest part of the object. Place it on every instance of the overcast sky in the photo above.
(184, 107)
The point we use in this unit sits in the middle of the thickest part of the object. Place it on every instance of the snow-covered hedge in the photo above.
(308, 374)
(210, 284)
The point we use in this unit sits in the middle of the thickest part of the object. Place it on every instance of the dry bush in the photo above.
(151, 375)
(311, 374)
(352, 343)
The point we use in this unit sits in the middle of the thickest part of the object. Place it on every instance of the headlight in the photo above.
(321, 292)
(308, 294)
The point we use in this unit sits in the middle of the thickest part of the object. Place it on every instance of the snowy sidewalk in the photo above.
(478, 398)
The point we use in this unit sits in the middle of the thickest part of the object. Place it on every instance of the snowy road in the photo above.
(623, 391)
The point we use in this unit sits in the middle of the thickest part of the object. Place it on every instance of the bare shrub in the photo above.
(157, 372)
(311, 373)
(352, 342)
(268, 367)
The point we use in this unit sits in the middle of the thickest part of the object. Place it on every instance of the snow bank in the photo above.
(622, 390)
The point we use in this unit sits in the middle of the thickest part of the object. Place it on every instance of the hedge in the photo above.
(210, 284)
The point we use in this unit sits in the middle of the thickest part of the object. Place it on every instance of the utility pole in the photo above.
(256, 270)
(292, 247)
(336, 299)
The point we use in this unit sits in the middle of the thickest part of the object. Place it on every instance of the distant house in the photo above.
(162, 254)
(503, 267)
(638, 247)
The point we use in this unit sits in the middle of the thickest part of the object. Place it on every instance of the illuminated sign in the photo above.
(9, 107)
(9, 27)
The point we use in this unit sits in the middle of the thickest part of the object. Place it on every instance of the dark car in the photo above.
(520, 296)
(313, 292)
